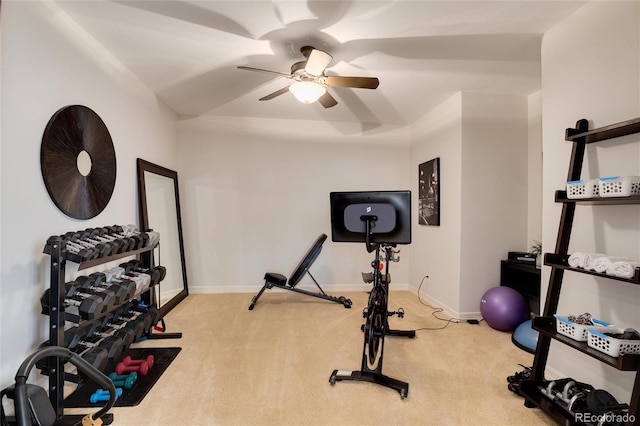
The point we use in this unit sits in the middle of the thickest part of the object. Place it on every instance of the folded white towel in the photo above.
(602, 263)
(575, 259)
(621, 268)
(588, 260)
(583, 260)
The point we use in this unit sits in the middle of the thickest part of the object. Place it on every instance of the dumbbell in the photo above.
(96, 356)
(142, 368)
(87, 305)
(101, 395)
(98, 234)
(97, 329)
(77, 239)
(130, 312)
(132, 231)
(84, 254)
(77, 336)
(126, 382)
(119, 232)
(128, 361)
(141, 322)
(114, 276)
(142, 281)
(86, 284)
(157, 273)
(104, 234)
(135, 327)
(126, 290)
(137, 310)
(132, 376)
(113, 294)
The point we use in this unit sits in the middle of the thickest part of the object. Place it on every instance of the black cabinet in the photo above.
(525, 278)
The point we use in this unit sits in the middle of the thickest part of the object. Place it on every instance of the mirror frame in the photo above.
(146, 166)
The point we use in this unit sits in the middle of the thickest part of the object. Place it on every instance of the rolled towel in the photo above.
(583, 260)
(602, 263)
(589, 258)
(624, 269)
(576, 259)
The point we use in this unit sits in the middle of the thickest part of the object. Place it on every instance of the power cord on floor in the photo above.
(434, 312)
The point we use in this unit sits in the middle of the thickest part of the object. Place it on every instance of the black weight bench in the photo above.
(273, 279)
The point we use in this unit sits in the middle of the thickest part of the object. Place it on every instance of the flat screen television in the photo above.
(389, 214)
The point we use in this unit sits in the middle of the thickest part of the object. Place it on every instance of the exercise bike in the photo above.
(376, 325)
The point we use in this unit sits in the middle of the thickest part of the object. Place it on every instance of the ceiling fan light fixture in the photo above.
(307, 92)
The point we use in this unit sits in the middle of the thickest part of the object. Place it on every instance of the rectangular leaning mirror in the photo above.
(159, 205)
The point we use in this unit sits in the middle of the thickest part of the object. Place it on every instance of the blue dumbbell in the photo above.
(103, 395)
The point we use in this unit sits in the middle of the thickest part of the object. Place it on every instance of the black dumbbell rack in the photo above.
(56, 248)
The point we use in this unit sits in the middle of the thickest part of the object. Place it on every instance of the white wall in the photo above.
(534, 170)
(591, 69)
(481, 140)
(256, 196)
(48, 63)
(494, 190)
(436, 249)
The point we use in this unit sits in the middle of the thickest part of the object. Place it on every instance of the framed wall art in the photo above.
(429, 193)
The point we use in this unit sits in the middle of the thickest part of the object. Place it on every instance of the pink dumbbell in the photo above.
(128, 361)
(142, 368)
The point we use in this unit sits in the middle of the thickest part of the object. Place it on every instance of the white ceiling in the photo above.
(422, 51)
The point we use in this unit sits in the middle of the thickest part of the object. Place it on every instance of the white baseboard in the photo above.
(328, 288)
(452, 313)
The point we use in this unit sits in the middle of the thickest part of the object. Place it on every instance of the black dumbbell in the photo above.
(87, 284)
(87, 305)
(140, 281)
(84, 254)
(98, 328)
(113, 276)
(131, 231)
(97, 234)
(90, 238)
(157, 273)
(73, 239)
(76, 337)
(97, 282)
(113, 320)
(124, 290)
(118, 231)
(96, 356)
(135, 310)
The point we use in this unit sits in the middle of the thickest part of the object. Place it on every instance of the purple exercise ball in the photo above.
(503, 308)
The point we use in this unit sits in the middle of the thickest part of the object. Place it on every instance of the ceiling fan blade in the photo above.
(274, 94)
(317, 62)
(327, 100)
(281, 74)
(354, 82)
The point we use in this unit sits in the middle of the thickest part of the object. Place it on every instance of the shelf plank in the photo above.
(616, 130)
(561, 197)
(560, 261)
(625, 362)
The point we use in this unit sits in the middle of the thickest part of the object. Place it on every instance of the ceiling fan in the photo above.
(311, 82)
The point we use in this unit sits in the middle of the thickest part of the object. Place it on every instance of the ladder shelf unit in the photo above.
(580, 136)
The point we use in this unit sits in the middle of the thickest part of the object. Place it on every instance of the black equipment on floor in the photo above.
(131, 397)
(273, 279)
(389, 208)
(33, 406)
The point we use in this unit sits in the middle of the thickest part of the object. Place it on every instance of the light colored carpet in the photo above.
(271, 366)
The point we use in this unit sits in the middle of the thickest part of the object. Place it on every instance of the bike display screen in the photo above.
(388, 214)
